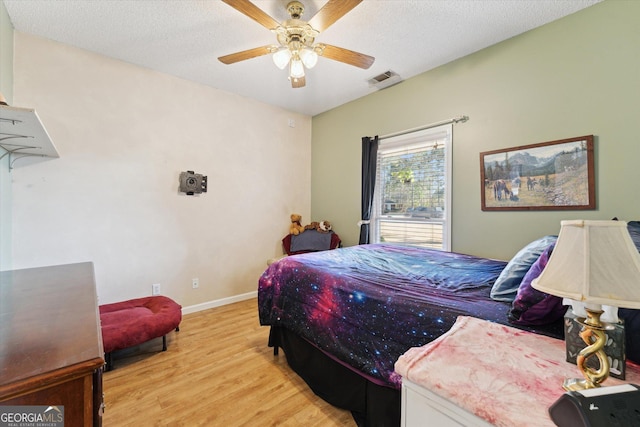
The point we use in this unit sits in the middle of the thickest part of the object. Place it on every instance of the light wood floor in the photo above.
(217, 371)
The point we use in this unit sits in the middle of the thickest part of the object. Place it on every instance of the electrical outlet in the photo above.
(155, 289)
(195, 283)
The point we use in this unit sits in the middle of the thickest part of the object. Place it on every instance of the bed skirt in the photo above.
(371, 405)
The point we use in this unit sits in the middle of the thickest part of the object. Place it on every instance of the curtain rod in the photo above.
(459, 119)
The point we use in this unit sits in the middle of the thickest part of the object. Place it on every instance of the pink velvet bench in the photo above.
(129, 323)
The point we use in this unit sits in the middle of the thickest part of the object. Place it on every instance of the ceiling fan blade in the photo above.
(253, 12)
(245, 54)
(345, 55)
(331, 12)
(297, 82)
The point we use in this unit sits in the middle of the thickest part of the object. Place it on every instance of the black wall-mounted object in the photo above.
(610, 406)
(192, 183)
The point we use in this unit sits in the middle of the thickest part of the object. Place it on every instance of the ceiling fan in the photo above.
(296, 46)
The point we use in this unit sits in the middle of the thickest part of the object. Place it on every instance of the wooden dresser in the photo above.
(50, 341)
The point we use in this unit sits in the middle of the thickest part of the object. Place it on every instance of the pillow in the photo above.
(631, 317)
(532, 307)
(311, 240)
(292, 245)
(631, 332)
(634, 232)
(506, 286)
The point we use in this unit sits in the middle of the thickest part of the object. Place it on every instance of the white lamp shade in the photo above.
(281, 58)
(297, 69)
(595, 262)
(309, 58)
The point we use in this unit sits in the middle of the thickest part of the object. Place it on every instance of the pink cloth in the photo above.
(501, 374)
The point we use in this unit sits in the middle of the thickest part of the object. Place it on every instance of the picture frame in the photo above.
(554, 175)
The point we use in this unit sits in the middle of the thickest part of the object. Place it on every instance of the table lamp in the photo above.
(595, 263)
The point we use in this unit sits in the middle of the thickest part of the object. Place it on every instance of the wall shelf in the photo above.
(22, 135)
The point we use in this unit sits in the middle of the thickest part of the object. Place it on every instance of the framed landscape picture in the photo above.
(551, 175)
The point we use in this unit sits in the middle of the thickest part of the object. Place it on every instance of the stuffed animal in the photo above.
(313, 226)
(320, 227)
(296, 227)
(324, 227)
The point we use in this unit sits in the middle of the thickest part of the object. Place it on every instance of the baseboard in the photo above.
(219, 302)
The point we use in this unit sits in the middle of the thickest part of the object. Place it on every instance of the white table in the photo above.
(481, 373)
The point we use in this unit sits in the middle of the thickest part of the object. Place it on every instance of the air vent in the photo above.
(384, 80)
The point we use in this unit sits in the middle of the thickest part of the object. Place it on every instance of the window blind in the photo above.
(412, 189)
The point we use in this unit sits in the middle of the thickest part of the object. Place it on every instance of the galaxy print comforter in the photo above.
(367, 305)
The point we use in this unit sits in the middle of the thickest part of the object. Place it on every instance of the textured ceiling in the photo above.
(185, 37)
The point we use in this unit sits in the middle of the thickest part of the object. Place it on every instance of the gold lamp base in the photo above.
(577, 384)
(593, 335)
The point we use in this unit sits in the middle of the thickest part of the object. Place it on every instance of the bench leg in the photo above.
(164, 339)
(108, 360)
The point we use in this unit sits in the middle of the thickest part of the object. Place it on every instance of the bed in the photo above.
(343, 317)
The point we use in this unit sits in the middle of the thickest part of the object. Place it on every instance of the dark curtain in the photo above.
(369, 160)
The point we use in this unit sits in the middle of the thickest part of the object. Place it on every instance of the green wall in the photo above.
(6, 87)
(576, 76)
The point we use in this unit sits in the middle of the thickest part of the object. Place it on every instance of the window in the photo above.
(412, 200)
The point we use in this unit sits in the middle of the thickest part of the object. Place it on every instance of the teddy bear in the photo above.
(296, 226)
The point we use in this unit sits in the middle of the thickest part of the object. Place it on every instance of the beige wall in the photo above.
(6, 88)
(6, 54)
(124, 134)
(573, 77)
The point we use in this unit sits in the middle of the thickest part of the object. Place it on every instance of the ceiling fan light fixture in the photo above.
(296, 47)
(281, 58)
(296, 69)
(309, 57)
